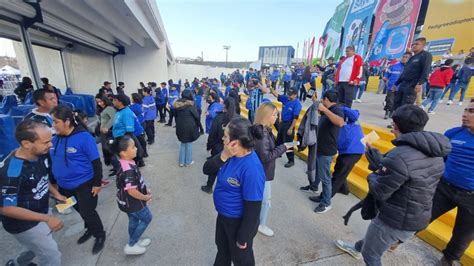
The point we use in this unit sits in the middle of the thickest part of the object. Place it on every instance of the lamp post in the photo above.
(226, 48)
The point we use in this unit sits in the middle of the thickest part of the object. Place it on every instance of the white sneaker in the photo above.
(449, 102)
(181, 165)
(144, 242)
(133, 250)
(440, 101)
(191, 163)
(358, 100)
(459, 103)
(265, 230)
(431, 112)
(349, 248)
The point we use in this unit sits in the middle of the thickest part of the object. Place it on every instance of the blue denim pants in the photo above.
(137, 224)
(433, 98)
(323, 175)
(186, 153)
(266, 202)
(459, 86)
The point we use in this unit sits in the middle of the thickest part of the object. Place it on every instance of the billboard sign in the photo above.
(276, 55)
(332, 33)
(357, 25)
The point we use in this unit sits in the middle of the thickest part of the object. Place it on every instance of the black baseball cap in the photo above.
(292, 91)
(107, 83)
(124, 99)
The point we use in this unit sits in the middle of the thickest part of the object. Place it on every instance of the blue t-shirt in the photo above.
(72, 158)
(459, 166)
(124, 122)
(239, 179)
(290, 110)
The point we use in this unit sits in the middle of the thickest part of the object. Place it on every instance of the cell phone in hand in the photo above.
(293, 143)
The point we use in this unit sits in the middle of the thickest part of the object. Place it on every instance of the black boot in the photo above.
(86, 236)
(207, 189)
(98, 244)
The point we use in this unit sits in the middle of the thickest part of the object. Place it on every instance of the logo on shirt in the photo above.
(41, 188)
(459, 142)
(233, 182)
(71, 150)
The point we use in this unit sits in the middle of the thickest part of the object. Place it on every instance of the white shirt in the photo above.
(346, 69)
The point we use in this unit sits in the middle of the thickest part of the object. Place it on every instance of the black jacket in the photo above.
(187, 121)
(268, 152)
(417, 69)
(214, 141)
(405, 182)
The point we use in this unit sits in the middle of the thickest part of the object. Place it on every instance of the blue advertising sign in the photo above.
(393, 44)
(357, 25)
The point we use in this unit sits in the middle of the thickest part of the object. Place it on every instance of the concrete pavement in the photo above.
(184, 221)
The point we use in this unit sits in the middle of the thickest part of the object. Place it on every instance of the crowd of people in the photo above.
(58, 155)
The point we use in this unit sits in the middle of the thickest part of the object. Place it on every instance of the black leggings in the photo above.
(85, 206)
(226, 238)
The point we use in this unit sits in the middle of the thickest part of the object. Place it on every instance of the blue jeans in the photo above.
(323, 175)
(326, 87)
(423, 91)
(137, 224)
(459, 85)
(298, 85)
(186, 153)
(378, 239)
(266, 202)
(361, 89)
(449, 87)
(433, 98)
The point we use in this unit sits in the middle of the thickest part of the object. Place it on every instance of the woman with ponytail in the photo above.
(267, 152)
(77, 169)
(238, 193)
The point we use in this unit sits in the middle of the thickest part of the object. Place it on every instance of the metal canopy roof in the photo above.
(105, 25)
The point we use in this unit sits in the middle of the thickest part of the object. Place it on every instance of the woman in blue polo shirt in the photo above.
(238, 193)
(77, 169)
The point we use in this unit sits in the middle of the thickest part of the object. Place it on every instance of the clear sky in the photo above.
(193, 26)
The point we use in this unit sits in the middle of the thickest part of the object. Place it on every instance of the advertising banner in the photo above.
(448, 19)
(276, 55)
(395, 22)
(332, 32)
(357, 25)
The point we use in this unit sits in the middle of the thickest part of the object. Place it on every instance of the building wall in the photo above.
(48, 61)
(87, 69)
(141, 64)
(187, 71)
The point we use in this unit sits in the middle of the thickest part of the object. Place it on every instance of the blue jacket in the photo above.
(465, 74)
(274, 76)
(227, 90)
(350, 136)
(393, 73)
(149, 108)
(137, 109)
(173, 96)
(212, 111)
(299, 74)
(286, 77)
(160, 98)
(137, 126)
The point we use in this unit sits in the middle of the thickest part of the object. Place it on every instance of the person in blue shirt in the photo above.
(149, 113)
(137, 108)
(161, 99)
(274, 77)
(77, 169)
(238, 193)
(173, 96)
(391, 76)
(126, 123)
(456, 188)
(228, 87)
(222, 77)
(299, 76)
(350, 149)
(213, 109)
(286, 80)
(289, 115)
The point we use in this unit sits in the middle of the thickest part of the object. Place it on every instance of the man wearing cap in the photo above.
(289, 115)
(106, 89)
